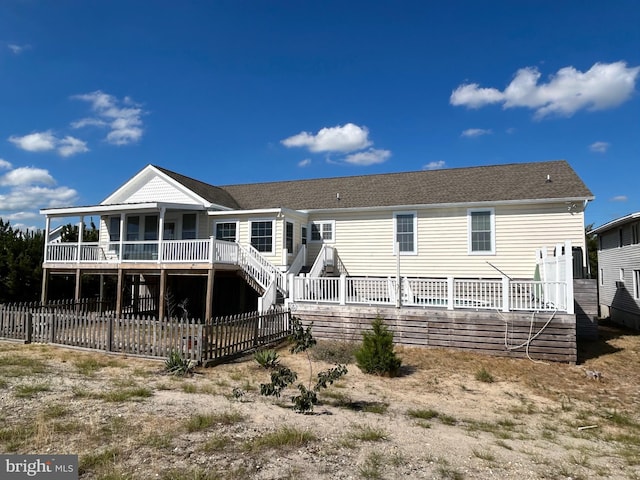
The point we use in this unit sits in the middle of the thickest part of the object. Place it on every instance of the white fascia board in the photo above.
(115, 208)
(615, 223)
(583, 200)
(262, 211)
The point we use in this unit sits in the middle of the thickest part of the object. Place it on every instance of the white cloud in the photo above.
(23, 198)
(599, 147)
(345, 138)
(603, 86)
(434, 165)
(304, 163)
(4, 164)
(619, 198)
(46, 141)
(26, 176)
(23, 216)
(476, 132)
(35, 142)
(17, 49)
(122, 117)
(70, 146)
(369, 157)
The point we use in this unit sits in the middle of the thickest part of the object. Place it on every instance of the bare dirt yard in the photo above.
(449, 415)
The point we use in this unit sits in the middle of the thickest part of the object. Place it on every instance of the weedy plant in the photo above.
(376, 355)
(302, 340)
(267, 359)
(177, 365)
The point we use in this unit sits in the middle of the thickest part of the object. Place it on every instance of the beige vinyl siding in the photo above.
(364, 241)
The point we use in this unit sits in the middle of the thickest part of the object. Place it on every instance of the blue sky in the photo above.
(250, 91)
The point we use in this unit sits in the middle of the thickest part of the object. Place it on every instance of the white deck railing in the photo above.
(450, 293)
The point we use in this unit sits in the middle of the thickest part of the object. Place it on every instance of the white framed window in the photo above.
(635, 237)
(636, 284)
(114, 229)
(323, 231)
(482, 231)
(405, 229)
(262, 235)
(622, 274)
(602, 277)
(227, 231)
(303, 234)
(288, 237)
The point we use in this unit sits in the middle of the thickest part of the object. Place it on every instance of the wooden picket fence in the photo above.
(206, 342)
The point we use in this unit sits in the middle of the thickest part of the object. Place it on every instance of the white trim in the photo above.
(236, 221)
(116, 208)
(273, 233)
(322, 240)
(636, 284)
(415, 232)
(259, 211)
(492, 220)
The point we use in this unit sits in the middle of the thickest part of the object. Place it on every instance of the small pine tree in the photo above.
(376, 355)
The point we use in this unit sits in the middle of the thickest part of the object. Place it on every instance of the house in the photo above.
(167, 240)
(619, 270)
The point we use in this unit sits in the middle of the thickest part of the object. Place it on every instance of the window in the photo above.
(481, 231)
(227, 231)
(262, 235)
(601, 277)
(133, 228)
(322, 231)
(620, 238)
(405, 226)
(303, 234)
(114, 229)
(288, 240)
(151, 227)
(169, 232)
(636, 284)
(635, 239)
(622, 274)
(188, 226)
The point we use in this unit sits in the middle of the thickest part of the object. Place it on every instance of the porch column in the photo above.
(80, 232)
(119, 293)
(47, 227)
(208, 309)
(163, 291)
(78, 291)
(121, 236)
(136, 293)
(163, 210)
(101, 297)
(45, 286)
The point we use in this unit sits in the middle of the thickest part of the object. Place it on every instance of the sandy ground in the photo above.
(436, 420)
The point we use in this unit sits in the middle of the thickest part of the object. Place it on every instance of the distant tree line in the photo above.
(20, 264)
(21, 257)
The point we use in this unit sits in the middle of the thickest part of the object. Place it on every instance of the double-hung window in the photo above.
(288, 239)
(227, 231)
(189, 226)
(323, 231)
(262, 235)
(482, 231)
(405, 226)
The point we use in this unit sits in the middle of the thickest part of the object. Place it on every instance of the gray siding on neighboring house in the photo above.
(619, 272)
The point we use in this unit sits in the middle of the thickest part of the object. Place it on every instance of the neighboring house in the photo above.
(619, 270)
(170, 237)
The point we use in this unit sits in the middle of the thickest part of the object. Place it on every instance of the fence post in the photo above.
(505, 294)
(109, 342)
(342, 294)
(52, 326)
(568, 252)
(28, 328)
(450, 298)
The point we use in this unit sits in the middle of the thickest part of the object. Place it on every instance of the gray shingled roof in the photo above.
(517, 181)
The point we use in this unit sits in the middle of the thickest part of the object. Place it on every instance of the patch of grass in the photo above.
(332, 351)
(376, 407)
(216, 444)
(448, 473)
(371, 469)
(54, 410)
(621, 419)
(284, 437)
(367, 433)
(447, 419)
(189, 388)
(158, 441)
(423, 414)
(503, 444)
(16, 436)
(105, 460)
(88, 366)
(80, 392)
(484, 455)
(29, 391)
(202, 421)
(126, 394)
(19, 366)
(3, 383)
(483, 375)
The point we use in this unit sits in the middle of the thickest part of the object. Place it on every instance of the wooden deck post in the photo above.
(119, 293)
(163, 293)
(45, 286)
(78, 290)
(208, 309)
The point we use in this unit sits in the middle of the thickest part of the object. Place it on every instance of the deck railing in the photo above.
(450, 293)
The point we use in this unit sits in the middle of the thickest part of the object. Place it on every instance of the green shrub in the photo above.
(177, 365)
(483, 375)
(267, 358)
(376, 355)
